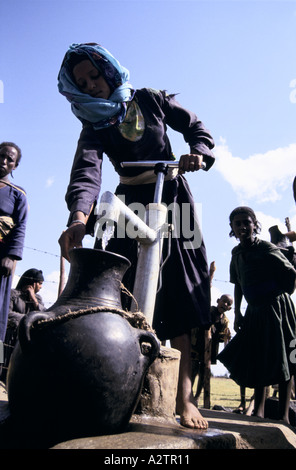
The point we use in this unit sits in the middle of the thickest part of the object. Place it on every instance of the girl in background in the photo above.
(260, 354)
(23, 299)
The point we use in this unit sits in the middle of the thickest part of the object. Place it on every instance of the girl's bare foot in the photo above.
(240, 409)
(190, 417)
(285, 420)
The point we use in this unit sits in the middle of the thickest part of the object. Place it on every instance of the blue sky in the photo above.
(232, 62)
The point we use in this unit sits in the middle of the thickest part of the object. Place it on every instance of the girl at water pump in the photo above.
(131, 125)
(262, 352)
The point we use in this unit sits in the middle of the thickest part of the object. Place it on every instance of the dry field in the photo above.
(224, 392)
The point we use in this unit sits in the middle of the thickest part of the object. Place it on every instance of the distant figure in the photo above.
(23, 299)
(284, 243)
(212, 271)
(219, 333)
(13, 218)
(259, 355)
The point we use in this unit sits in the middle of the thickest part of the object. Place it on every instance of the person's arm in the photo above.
(72, 237)
(33, 300)
(195, 134)
(17, 236)
(85, 177)
(238, 317)
(16, 239)
(83, 189)
(16, 309)
(41, 306)
(238, 293)
(7, 266)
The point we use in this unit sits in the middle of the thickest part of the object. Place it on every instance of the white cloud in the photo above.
(49, 182)
(260, 176)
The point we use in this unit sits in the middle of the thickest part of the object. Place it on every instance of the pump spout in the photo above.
(112, 210)
(148, 233)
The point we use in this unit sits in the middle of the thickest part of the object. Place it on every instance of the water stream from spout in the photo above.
(107, 234)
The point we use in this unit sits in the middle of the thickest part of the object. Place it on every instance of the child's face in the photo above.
(224, 303)
(243, 228)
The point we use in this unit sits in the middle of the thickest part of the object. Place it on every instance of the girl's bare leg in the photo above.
(285, 389)
(260, 393)
(242, 406)
(190, 416)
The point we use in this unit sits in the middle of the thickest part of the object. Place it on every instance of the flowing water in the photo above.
(107, 234)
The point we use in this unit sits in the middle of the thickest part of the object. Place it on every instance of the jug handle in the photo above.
(25, 326)
(147, 337)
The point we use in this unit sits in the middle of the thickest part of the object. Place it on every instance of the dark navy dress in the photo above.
(184, 299)
(13, 203)
(263, 352)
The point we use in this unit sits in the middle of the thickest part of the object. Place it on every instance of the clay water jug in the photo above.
(78, 368)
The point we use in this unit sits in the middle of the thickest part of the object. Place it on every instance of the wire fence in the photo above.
(58, 256)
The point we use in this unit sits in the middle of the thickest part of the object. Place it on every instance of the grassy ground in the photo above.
(224, 392)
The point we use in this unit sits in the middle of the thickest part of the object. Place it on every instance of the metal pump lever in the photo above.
(160, 168)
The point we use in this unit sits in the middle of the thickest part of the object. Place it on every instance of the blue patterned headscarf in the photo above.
(99, 112)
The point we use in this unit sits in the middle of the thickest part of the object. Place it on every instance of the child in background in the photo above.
(260, 354)
(220, 331)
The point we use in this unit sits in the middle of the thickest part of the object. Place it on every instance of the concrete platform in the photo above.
(226, 431)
